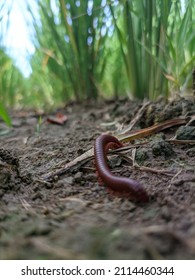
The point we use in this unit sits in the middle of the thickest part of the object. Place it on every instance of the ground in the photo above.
(48, 215)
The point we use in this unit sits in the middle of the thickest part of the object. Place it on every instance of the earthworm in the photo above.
(116, 183)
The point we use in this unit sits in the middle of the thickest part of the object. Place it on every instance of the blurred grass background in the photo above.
(101, 48)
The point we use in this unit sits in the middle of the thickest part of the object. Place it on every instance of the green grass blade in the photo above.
(4, 115)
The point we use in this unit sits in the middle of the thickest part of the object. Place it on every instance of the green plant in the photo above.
(72, 38)
(157, 45)
(39, 124)
(86, 49)
(141, 27)
(3, 112)
(181, 42)
(12, 87)
(4, 115)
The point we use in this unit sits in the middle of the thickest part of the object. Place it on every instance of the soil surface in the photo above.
(49, 214)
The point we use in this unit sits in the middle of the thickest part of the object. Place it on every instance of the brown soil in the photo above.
(72, 216)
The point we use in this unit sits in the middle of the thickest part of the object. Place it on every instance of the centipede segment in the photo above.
(117, 184)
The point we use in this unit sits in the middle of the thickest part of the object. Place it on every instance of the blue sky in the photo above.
(18, 39)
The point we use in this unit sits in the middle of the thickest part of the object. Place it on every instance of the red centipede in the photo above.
(116, 183)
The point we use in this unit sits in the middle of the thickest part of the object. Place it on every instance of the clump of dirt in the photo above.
(161, 110)
(73, 216)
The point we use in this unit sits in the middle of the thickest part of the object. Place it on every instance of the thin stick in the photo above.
(151, 130)
(67, 166)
